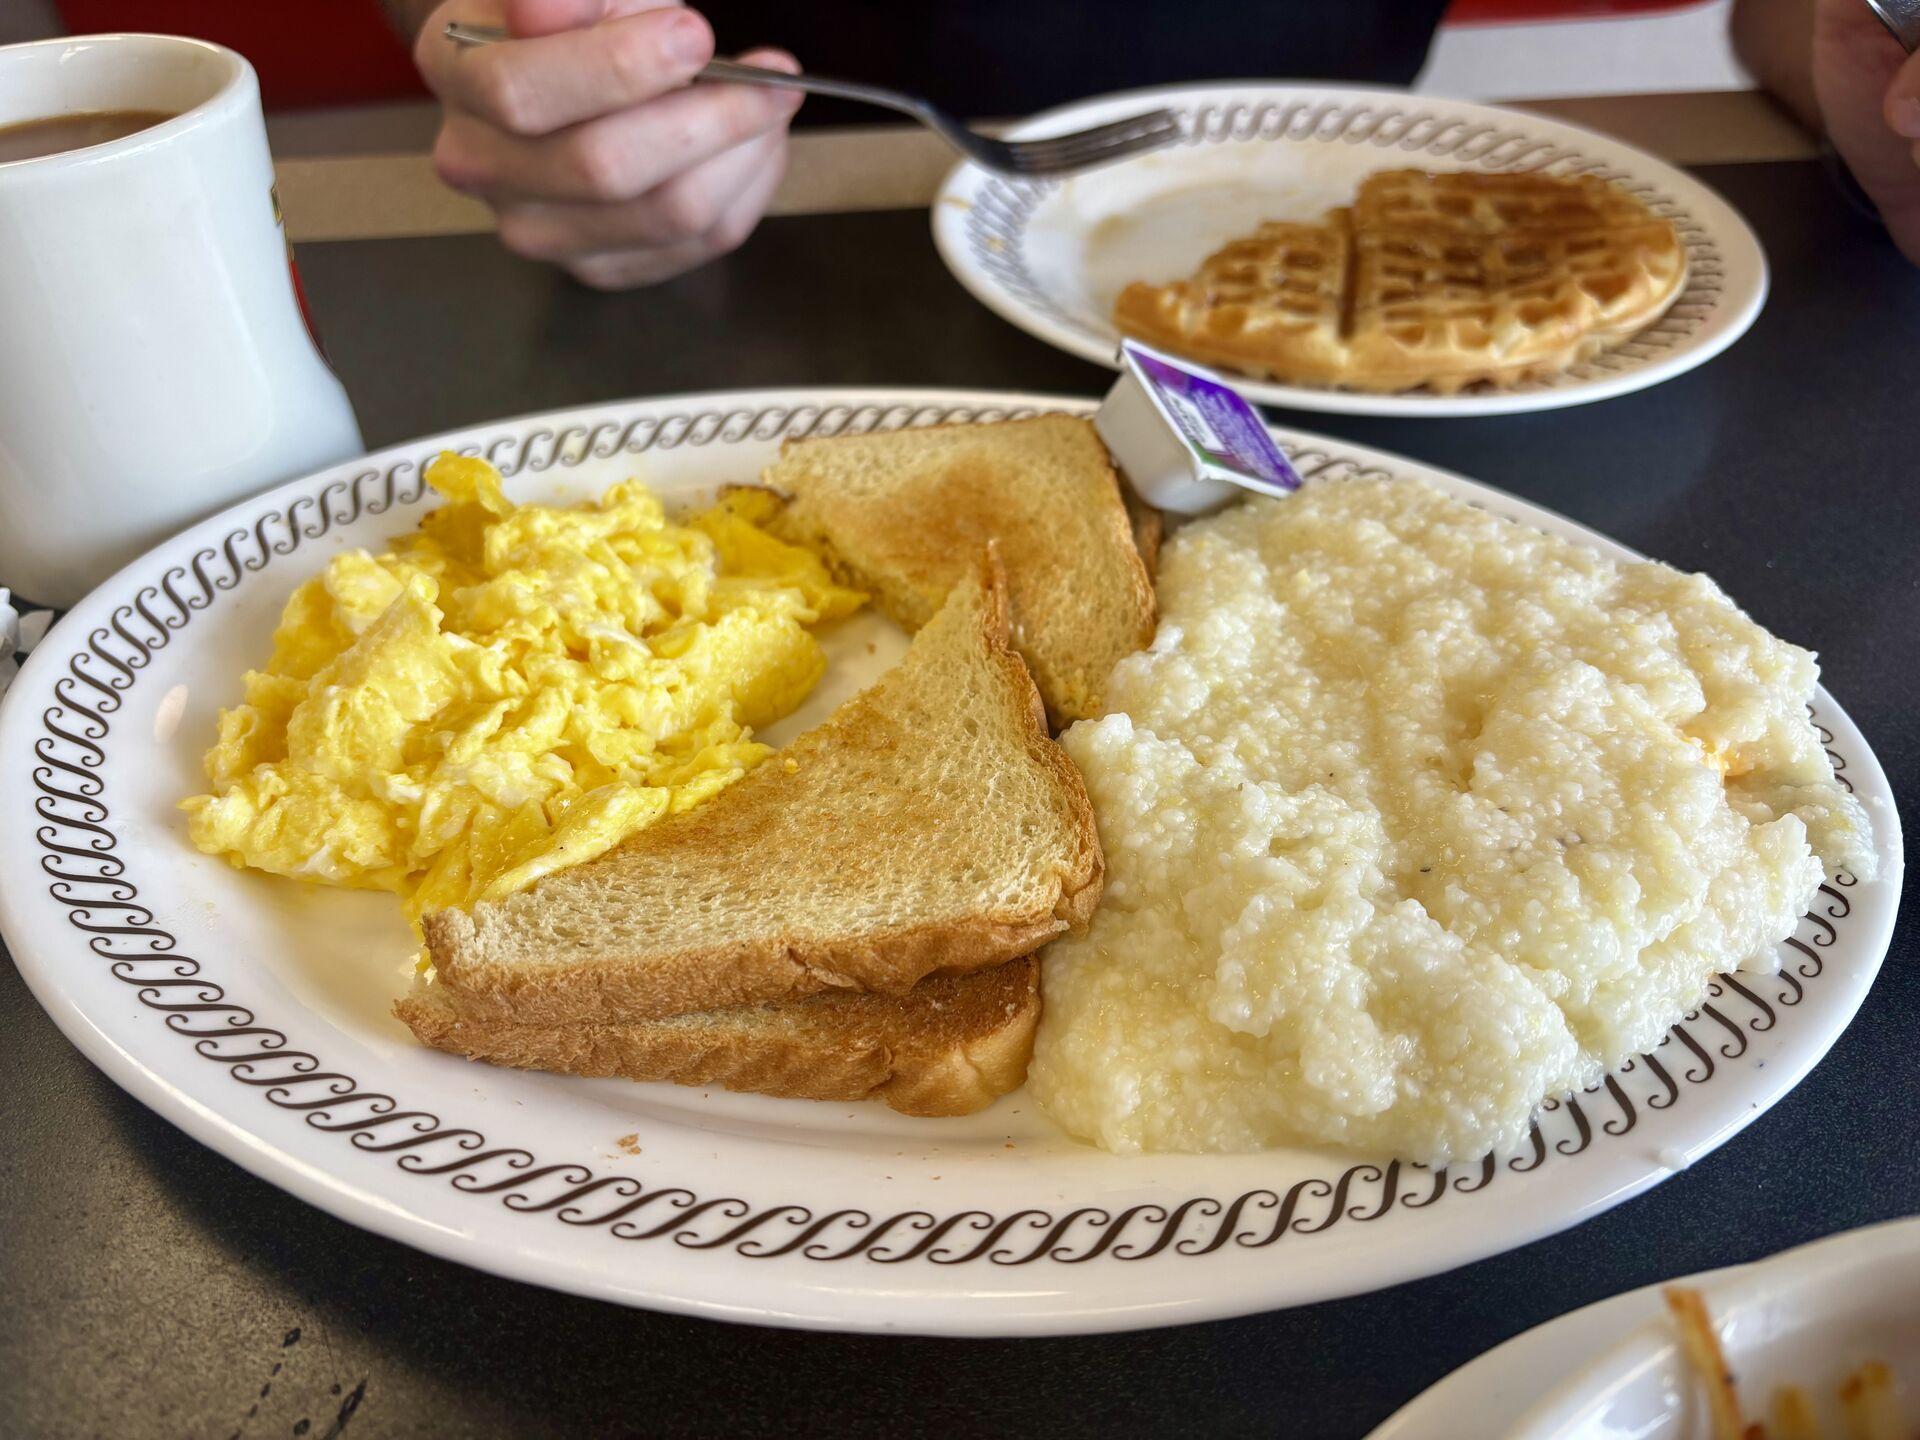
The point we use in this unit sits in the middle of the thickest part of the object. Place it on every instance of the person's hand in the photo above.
(1869, 90)
(584, 136)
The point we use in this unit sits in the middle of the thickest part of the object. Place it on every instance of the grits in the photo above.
(1415, 818)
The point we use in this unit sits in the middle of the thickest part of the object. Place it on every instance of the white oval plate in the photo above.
(1806, 1317)
(252, 1011)
(1051, 256)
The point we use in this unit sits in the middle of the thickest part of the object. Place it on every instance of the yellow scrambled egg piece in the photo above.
(511, 689)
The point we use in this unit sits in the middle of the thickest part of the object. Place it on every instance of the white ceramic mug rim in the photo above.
(214, 108)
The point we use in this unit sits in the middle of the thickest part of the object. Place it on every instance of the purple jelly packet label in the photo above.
(1214, 420)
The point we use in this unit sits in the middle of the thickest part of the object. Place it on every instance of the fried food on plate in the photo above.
(1869, 1402)
(1437, 280)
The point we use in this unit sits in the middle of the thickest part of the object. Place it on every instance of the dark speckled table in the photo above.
(150, 1288)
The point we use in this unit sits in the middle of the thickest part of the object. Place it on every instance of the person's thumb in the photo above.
(528, 18)
(1903, 100)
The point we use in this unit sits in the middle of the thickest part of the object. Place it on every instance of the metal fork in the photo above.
(1020, 159)
(1902, 17)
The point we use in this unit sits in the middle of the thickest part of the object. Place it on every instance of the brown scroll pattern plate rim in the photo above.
(86, 874)
(996, 225)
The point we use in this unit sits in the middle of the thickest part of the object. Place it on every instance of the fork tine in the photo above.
(1063, 154)
(1144, 141)
(1109, 150)
(1071, 153)
(1145, 120)
(1084, 154)
(1139, 145)
(1122, 126)
(1098, 135)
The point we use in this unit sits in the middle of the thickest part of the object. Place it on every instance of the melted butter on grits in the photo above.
(1414, 818)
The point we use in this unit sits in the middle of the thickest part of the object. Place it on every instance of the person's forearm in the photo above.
(407, 16)
(1774, 40)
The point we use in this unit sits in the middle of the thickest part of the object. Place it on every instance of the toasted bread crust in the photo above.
(482, 957)
(1079, 556)
(755, 970)
(949, 1046)
(1149, 529)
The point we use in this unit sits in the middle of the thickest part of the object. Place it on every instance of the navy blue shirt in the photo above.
(1013, 57)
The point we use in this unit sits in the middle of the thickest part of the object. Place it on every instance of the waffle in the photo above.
(1491, 202)
(1438, 280)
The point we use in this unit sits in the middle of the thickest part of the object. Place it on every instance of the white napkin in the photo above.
(18, 634)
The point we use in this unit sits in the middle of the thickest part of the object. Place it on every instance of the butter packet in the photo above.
(1186, 440)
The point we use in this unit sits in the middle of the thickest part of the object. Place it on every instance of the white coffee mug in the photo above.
(155, 365)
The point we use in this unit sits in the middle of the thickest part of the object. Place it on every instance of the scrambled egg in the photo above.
(510, 690)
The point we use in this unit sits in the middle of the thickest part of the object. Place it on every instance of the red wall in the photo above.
(308, 52)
